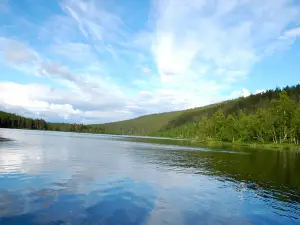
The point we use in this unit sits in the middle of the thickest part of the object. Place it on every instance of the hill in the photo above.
(148, 124)
(155, 124)
(143, 125)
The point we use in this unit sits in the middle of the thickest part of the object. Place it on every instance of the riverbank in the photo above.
(4, 139)
(236, 145)
(211, 143)
(214, 144)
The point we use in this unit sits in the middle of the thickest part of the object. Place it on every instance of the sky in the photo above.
(94, 61)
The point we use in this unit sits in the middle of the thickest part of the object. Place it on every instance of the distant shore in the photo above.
(4, 139)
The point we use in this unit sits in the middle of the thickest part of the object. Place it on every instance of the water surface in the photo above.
(69, 178)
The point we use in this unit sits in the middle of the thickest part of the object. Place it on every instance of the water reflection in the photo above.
(120, 202)
(63, 178)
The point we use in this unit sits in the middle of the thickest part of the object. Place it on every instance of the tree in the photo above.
(283, 110)
(295, 126)
(230, 128)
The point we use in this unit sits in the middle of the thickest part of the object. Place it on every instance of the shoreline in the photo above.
(4, 139)
(236, 145)
(201, 143)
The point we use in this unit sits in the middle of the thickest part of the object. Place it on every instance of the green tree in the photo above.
(230, 129)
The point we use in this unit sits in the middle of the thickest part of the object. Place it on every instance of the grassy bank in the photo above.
(213, 144)
(237, 145)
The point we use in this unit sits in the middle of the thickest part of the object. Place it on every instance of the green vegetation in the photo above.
(10, 120)
(143, 125)
(270, 119)
(81, 128)
(278, 123)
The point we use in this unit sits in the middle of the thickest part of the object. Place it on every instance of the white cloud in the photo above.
(18, 54)
(55, 68)
(231, 35)
(260, 91)
(147, 70)
(32, 99)
(292, 33)
(93, 20)
(37, 100)
(244, 92)
(239, 93)
(85, 96)
(74, 104)
(33, 63)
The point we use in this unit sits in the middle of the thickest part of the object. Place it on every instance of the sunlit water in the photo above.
(70, 178)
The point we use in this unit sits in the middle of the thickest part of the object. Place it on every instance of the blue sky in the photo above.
(100, 61)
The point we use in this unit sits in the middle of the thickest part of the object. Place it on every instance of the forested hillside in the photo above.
(181, 123)
(143, 125)
(73, 127)
(278, 121)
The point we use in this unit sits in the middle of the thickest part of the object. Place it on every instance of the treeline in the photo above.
(10, 120)
(279, 122)
(67, 127)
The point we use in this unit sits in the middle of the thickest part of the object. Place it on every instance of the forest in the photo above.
(277, 123)
(269, 117)
(170, 124)
(11, 120)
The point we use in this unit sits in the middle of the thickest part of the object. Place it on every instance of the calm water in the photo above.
(68, 178)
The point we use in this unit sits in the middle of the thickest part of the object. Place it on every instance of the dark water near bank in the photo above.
(69, 178)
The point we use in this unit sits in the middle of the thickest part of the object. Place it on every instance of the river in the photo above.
(70, 178)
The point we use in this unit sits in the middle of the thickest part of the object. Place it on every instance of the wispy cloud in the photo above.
(16, 52)
(18, 55)
(292, 33)
(227, 35)
(94, 21)
(77, 52)
(3, 6)
(147, 70)
(83, 92)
